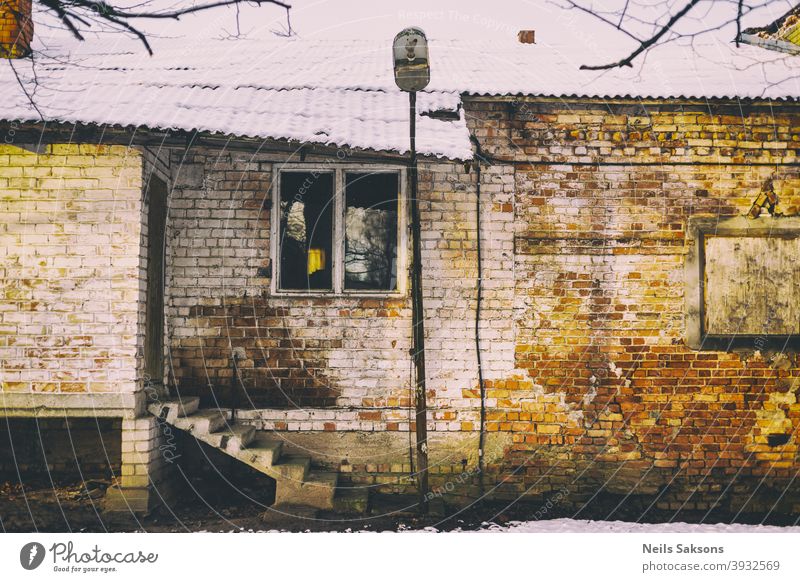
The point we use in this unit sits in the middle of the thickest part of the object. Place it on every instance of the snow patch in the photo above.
(565, 525)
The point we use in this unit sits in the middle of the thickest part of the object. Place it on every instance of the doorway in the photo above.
(154, 308)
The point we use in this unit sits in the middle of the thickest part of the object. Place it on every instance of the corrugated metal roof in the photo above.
(714, 70)
(343, 93)
(273, 90)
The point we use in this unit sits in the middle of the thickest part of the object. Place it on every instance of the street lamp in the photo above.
(412, 74)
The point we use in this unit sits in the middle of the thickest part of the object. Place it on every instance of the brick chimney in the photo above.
(16, 28)
(527, 36)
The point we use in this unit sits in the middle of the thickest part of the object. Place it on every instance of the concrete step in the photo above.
(233, 438)
(351, 500)
(318, 490)
(170, 410)
(323, 478)
(262, 453)
(296, 484)
(202, 422)
(292, 468)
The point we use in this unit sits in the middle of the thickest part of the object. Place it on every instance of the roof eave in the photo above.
(36, 132)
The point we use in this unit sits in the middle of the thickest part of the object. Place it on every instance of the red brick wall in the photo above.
(599, 260)
(16, 28)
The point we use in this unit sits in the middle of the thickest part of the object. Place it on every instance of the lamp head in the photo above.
(412, 70)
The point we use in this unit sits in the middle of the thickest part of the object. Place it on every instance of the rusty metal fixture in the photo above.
(412, 70)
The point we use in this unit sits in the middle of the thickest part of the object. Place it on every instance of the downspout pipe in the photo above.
(478, 306)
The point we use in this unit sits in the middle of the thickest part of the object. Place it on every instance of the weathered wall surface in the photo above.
(334, 363)
(70, 235)
(310, 351)
(73, 266)
(600, 290)
(590, 384)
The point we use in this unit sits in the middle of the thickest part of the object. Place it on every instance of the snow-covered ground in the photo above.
(565, 525)
(583, 526)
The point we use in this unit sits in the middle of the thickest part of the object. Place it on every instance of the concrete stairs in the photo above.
(297, 484)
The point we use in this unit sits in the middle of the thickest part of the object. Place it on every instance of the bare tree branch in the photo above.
(644, 45)
(622, 14)
(83, 13)
(70, 12)
(654, 23)
(132, 29)
(739, 8)
(28, 94)
(105, 8)
(602, 18)
(66, 18)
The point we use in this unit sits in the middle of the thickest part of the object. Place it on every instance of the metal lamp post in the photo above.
(412, 74)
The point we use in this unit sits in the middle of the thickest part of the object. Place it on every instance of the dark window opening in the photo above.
(306, 231)
(371, 213)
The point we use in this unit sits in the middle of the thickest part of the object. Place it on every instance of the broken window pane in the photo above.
(306, 231)
(371, 212)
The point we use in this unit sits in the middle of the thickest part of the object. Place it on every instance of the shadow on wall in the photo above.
(274, 369)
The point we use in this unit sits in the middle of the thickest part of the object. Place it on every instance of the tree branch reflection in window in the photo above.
(371, 214)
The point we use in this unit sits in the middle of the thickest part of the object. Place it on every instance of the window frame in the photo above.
(695, 275)
(339, 207)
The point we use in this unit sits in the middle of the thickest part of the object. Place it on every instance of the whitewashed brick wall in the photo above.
(70, 228)
(342, 351)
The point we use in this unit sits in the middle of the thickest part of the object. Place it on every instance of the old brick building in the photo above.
(638, 310)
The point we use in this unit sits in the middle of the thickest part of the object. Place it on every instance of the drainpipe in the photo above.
(16, 28)
(418, 317)
(478, 305)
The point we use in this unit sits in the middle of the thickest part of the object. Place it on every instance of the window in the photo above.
(370, 240)
(339, 230)
(306, 231)
(742, 280)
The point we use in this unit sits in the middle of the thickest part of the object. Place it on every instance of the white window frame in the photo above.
(339, 171)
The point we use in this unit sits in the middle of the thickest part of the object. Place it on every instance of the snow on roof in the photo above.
(276, 89)
(678, 70)
(342, 93)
